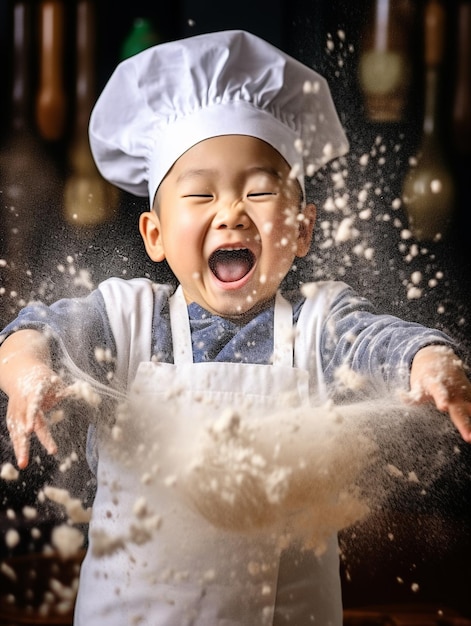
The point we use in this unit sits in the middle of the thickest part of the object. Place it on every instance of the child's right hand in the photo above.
(38, 391)
(33, 389)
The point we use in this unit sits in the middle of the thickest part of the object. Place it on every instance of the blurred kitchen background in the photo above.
(400, 74)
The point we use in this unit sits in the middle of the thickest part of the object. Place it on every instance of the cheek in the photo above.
(284, 230)
(290, 221)
(187, 241)
(183, 226)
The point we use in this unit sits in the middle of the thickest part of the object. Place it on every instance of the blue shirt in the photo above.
(378, 347)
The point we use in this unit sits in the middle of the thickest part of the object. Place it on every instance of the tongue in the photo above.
(231, 267)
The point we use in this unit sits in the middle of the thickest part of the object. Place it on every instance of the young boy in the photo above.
(219, 130)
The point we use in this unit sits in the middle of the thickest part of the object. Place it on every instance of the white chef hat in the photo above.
(166, 99)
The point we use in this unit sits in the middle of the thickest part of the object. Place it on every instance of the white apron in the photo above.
(158, 561)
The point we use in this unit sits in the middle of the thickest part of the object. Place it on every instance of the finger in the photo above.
(21, 444)
(445, 397)
(22, 453)
(460, 416)
(32, 410)
(44, 400)
(439, 394)
(442, 401)
(43, 433)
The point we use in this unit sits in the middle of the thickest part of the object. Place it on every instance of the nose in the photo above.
(231, 216)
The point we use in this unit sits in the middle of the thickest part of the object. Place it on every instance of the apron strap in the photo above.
(283, 342)
(180, 325)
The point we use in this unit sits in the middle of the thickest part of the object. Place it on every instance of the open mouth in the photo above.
(231, 264)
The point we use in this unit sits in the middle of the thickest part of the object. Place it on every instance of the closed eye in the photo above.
(197, 195)
(261, 193)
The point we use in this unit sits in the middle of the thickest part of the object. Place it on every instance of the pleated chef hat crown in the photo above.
(161, 102)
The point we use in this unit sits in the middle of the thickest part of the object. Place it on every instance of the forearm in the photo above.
(75, 330)
(380, 348)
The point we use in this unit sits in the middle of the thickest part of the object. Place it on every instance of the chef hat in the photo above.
(166, 99)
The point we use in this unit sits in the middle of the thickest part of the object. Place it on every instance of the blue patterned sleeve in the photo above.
(77, 325)
(378, 347)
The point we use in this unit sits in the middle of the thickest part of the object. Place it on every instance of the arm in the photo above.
(438, 375)
(32, 354)
(380, 348)
(392, 354)
(33, 389)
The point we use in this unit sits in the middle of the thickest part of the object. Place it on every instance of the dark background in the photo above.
(432, 543)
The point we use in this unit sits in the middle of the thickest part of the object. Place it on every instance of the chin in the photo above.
(242, 306)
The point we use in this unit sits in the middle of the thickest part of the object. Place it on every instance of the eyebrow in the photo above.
(202, 172)
(260, 169)
(194, 173)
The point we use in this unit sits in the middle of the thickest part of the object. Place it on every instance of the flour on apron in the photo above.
(170, 565)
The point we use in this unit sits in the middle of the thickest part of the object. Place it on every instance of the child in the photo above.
(219, 130)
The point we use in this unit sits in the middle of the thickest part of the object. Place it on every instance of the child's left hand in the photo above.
(438, 375)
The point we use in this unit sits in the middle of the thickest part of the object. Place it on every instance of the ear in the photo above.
(151, 233)
(306, 229)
